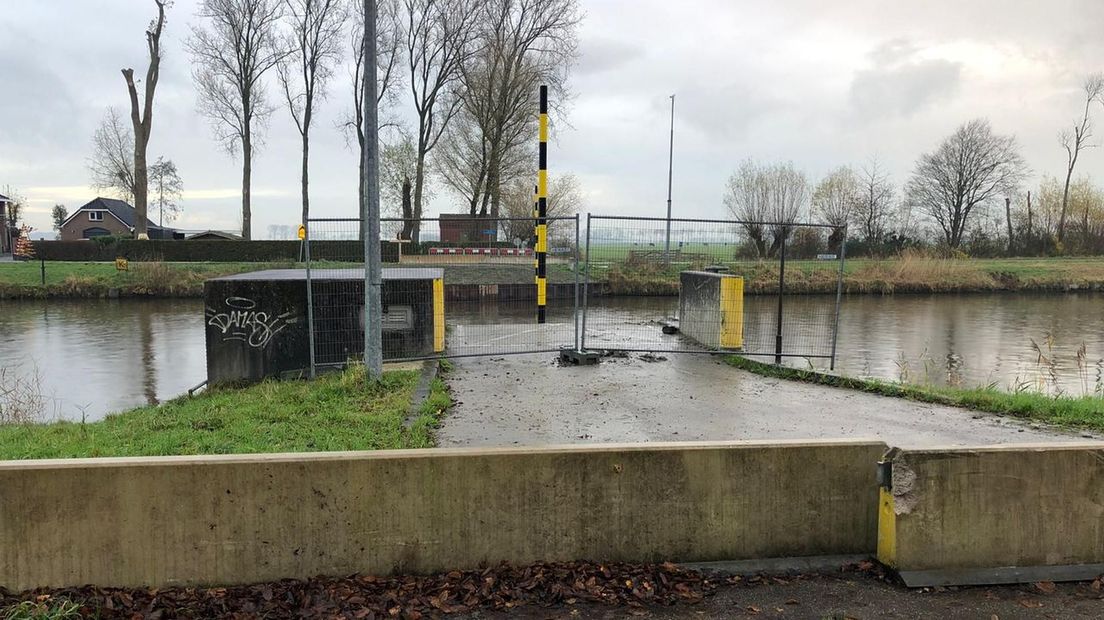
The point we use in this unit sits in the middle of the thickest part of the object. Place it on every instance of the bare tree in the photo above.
(766, 198)
(522, 44)
(314, 41)
(398, 160)
(439, 39)
(389, 37)
(167, 188)
(835, 200)
(112, 161)
(970, 168)
(873, 214)
(232, 52)
(141, 116)
(462, 161)
(1077, 140)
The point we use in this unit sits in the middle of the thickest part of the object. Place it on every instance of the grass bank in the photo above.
(332, 413)
(1085, 412)
(906, 274)
(23, 279)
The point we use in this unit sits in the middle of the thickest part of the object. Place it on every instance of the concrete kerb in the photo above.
(993, 514)
(1004, 514)
(199, 520)
(428, 372)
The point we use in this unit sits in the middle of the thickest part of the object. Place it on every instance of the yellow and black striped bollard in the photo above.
(542, 208)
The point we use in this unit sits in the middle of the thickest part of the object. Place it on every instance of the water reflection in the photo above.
(98, 356)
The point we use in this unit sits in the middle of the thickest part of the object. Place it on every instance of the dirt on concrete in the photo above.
(534, 400)
(852, 596)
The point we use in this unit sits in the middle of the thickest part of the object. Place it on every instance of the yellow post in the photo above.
(438, 315)
(887, 528)
(732, 312)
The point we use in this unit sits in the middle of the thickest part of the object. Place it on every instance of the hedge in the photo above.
(423, 247)
(205, 250)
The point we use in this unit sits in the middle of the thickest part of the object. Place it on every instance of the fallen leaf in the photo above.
(1046, 587)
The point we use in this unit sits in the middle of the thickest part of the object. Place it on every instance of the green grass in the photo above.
(910, 273)
(76, 279)
(1085, 412)
(48, 609)
(331, 413)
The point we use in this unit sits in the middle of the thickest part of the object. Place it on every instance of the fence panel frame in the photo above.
(573, 261)
(779, 352)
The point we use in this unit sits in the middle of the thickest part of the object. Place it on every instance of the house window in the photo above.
(95, 216)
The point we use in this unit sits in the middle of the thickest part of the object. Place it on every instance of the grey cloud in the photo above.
(728, 111)
(600, 55)
(36, 105)
(899, 84)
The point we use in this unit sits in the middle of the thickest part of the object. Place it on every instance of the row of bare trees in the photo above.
(470, 69)
(951, 186)
(956, 188)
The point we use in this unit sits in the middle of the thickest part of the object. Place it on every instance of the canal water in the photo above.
(93, 357)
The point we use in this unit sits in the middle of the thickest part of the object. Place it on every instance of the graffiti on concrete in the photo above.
(241, 320)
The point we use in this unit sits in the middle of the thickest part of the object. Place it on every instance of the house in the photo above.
(464, 228)
(5, 232)
(108, 216)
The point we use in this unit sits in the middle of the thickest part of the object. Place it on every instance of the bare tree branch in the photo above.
(314, 41)
(142, 116)
(970, 168)
(232, 49)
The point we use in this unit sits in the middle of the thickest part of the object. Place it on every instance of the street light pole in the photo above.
(369, 207)
(670, 174)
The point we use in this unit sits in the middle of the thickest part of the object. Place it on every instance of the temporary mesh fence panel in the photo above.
(468, 286)
(708, 285)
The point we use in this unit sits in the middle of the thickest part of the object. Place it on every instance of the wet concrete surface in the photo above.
(533, 400)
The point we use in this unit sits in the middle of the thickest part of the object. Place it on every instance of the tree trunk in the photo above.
(1065, 204)
(419, 185)
(1029, 217)
(141, 188)
(1008, 219)
(407, 210)
(247, 173)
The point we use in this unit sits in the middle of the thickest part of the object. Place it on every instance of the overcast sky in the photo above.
(819, 83)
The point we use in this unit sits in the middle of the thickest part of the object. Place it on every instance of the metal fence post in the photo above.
(586, 289)
(310, 298)
(781, 293)
(839, 296)
(575, 314)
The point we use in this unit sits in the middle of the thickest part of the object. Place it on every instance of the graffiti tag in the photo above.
(242, 321)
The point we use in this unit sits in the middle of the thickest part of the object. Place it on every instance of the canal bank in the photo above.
(498, 280)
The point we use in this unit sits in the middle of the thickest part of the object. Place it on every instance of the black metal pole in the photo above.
(781, 292)
(42, 262)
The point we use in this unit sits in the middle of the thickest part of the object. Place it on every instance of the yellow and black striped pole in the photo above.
(542, 207)
(536, 193)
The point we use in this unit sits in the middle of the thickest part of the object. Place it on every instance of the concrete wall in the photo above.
(239, 519)
(711, 309)
(998, 514)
